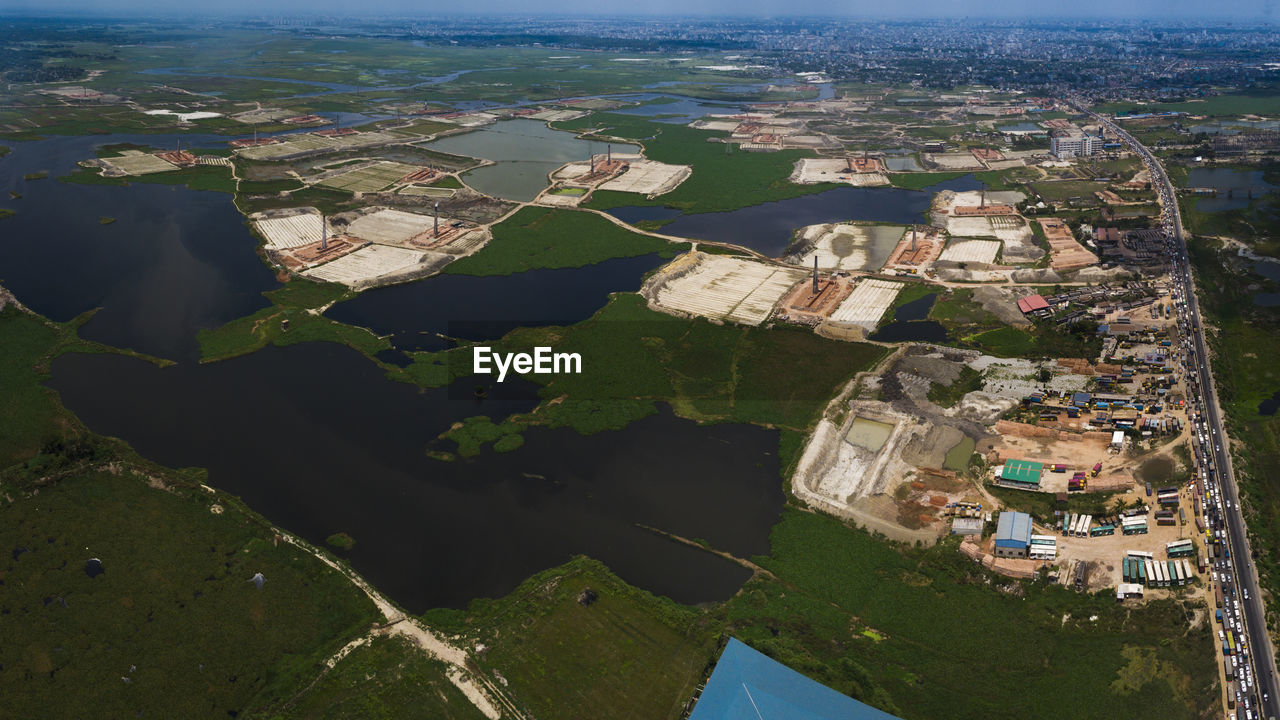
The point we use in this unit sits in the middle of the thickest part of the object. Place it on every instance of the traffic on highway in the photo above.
(1243, 613)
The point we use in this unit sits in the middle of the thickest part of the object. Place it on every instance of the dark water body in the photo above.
(351, 458)
(175, 260)
(768, 227)
(684, 108)
(1271, 271)
(909, 324)
(486, 308)
(1270, 405)
(1237, 187)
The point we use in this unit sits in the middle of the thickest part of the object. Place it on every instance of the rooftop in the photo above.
(748, 684)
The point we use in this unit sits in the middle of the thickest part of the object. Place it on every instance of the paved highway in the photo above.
(1238, 574)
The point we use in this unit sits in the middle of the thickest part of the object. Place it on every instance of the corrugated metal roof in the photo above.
(748, 684)
(1013, 529)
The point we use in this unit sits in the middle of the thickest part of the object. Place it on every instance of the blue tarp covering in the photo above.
(747, 685)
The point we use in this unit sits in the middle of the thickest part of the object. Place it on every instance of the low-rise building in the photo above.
(1013, 534)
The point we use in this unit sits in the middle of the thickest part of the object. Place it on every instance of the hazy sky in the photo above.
(1168, 9)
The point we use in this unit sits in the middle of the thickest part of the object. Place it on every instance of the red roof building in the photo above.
(1032, 303)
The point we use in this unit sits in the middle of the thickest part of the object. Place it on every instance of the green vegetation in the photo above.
(536, 238)
(106, 220)
(200, 177)
(41, 175)
(1041, 505)
(341, 540)
(919, 181)
(1263, 102)
(252, 187)
(722, 179)
(615, 652)
(447, 181)
(4, 150)
(633, 357)
(571, 191)
(1063, 190)
(293, 303)
(1036, 647)
(388, 678)
(473, 433)
(7, 213)
(948, 395)
(105, 646)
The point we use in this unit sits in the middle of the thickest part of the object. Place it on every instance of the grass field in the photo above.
(922, 633)
(537, 238)
(1263, 102)
(388, 678)
(626, 654)
(291, 302)
(173, 625)
(634, 357)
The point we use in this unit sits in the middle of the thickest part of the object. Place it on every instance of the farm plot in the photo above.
(971, 251)
(867, 303)
(722, 288)
(369, 178)
(291, 231)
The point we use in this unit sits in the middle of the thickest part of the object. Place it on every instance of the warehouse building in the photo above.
(1022, 474)
(1013, 535)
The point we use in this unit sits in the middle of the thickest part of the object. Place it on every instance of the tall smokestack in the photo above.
(608, 153)
(815, 273)
(982, 202)
(324, 234)
(913, 237)
(435, 232)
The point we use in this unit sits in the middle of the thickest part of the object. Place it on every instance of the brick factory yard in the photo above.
(293, 230)
(809, 171)
(971, 251)
(392, 226)
(846, 247)
(867, 303)
(136, 163)
(372, 263)
(647, 177)
(1067, 253)
(720, 288)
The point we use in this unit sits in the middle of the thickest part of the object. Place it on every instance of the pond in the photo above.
(957, 458)
(486, 308)
(525, 152)
(910, 324)
(1236, 187)
(869, 434)
(319, 457)
(768, 227)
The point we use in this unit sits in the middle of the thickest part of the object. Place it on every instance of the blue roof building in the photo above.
(1081, 399)
(747, 684)
(1013, 534)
